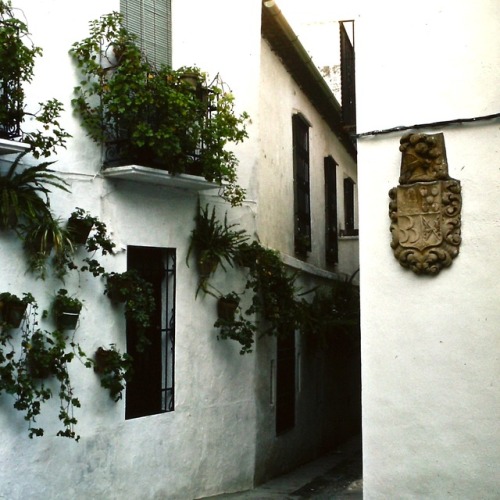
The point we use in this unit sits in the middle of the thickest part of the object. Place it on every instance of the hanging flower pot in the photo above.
(13, 308)
(66, 310)
(227, 305)
(103, 359)
(79, 229)
(67, 320)
(13, 313)
(207, 265)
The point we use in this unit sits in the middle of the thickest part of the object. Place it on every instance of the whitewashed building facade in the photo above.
(215, 430)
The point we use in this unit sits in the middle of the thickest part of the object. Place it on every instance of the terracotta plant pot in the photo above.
(79, 230)
(13, 313)
(226, 308)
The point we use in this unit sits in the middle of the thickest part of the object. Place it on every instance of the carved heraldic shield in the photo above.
(425, 208)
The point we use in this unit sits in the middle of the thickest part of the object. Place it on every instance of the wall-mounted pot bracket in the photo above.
(425, 207)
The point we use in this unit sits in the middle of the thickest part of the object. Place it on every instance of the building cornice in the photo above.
(286, 44)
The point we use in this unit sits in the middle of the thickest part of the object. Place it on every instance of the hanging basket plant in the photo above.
(138, 296)
(66, 310)
(114, 370)
(227, 306)
(13, 308)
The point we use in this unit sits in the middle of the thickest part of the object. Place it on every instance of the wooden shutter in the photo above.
(151, 21)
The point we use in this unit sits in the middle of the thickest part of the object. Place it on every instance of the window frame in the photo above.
(350, 208)
(152, 388)
(302, 190)
(331, 211)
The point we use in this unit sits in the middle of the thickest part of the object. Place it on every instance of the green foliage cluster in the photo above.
(175, 120)
(114, 369)
(81, 220)
(17, 61)
(30, 364)
(137, 294)
(275, 297)
(213, 242)
(33, 359)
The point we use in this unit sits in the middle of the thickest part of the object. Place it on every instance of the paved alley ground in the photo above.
(337, 475)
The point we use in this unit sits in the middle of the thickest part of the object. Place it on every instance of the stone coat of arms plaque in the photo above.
(425, 208)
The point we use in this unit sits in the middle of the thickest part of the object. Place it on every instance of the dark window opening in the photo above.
(349, 203)
(348, 77)
(302, 203)
(285, 384)
(331, 236)
(151, 389)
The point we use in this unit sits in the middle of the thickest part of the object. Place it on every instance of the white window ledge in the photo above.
(8, 147)
(158, 177)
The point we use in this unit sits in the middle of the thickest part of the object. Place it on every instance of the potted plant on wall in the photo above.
(13, 308)
(214, 243)
(114, 370)
(43, 237)
(227, 305)
(137, 295)
(66, 310)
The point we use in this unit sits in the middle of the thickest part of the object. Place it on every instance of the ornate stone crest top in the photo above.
(425, 208)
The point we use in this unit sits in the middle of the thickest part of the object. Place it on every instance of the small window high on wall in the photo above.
(151, 21)
(349, 207)
(151, 389)
(302, 209)
(331, 233)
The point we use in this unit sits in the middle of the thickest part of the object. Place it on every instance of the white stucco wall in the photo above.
(281, 98)
(205, 446)
(430, 344)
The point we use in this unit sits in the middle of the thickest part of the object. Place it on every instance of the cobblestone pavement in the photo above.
(337, 475)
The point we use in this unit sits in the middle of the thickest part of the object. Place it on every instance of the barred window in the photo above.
(151, 388)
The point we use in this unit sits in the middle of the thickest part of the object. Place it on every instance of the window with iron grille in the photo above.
(349, 207)
(151, 389)
(331, 235)
(302, 209)
(151, 21)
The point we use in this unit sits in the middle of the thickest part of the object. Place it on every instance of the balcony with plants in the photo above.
(159, 125)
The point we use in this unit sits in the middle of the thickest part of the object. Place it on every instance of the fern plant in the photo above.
(24, 193)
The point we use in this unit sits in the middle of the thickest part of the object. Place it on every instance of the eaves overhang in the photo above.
(285, 43)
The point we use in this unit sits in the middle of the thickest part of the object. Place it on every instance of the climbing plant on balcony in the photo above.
(175, 120)
(17, 61)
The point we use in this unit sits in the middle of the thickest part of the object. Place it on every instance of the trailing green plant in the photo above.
(176, 120)
(114, 370)
(28, 366)
(43, 238)
(213, 242)
(239, 329)
(84, 228)
(137, 294)
(17, 61)
(274, 288)
(334, 310)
